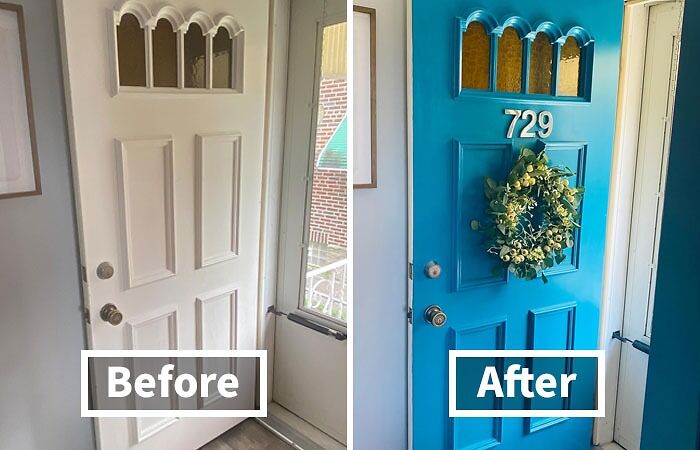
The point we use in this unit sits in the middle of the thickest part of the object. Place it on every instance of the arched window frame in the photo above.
(586, 44)
(489, 23)
(177, 21)
(495, 30)
(553, 34)
(149, 20)
(522, 27)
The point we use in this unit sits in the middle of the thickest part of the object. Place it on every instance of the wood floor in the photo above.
(249, 435)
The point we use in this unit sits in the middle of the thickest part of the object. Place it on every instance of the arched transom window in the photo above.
(525, 61)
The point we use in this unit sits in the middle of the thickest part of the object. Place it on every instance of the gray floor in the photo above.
(249, 435)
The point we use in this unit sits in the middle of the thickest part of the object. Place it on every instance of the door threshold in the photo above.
(608, 446)
(296, 431)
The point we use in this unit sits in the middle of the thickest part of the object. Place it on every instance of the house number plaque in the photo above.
(543, 120)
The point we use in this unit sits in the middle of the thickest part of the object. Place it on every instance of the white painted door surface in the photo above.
(650, 180)
(168, 186)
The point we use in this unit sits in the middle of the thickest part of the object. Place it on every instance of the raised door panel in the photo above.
(148, 208)
(154, 331)
(217, 314)
(478, 432)
(218, 188)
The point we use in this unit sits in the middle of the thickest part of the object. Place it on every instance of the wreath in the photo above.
(531, 216)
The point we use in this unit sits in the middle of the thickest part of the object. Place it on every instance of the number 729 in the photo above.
(544, 120)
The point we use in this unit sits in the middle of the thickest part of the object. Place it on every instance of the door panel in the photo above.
(460, 129)
(168, 184)
(146, 190)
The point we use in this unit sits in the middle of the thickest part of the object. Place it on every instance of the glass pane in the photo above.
(541, 65)
(510, 62)
(195, 57)
(476, 49)
(131, 48)
(164, 55)
(569, 68)
(326, 271)
(223, 59)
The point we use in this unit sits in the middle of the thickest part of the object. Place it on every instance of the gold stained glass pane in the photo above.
(195, 57)
(569, 68)
(510, 62)
(541, 65)
(476, 49)
(131, 50)
(223, 60)
(164, 55)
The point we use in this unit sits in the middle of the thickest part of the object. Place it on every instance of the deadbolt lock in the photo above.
(432, 270)
(111, 314)
(105, 271)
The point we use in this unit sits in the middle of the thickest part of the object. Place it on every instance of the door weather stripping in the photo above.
(639, 345)
(311, 324)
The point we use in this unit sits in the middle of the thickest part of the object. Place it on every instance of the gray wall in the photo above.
(380, 255)
(41, 333)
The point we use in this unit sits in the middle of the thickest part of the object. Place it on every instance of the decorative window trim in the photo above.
(527, 34)
(210, 26)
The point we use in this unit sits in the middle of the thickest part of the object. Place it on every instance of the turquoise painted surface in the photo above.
(459, 137)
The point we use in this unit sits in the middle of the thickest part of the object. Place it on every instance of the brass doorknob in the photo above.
(434, 316)
(110, 314)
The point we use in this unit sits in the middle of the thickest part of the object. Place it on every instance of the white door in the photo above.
(166, 107)
(650, 180)
(310, 374)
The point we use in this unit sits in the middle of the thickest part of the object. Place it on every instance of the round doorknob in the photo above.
(110, 314)
(434, 316)
(432, 270)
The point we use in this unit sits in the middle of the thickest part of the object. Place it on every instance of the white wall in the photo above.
(41, 331)
(380, 255)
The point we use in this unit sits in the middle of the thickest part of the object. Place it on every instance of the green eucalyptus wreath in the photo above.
(531, 216)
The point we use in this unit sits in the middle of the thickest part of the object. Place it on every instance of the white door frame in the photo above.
(275, 118)
(629, 103)
(409, 222)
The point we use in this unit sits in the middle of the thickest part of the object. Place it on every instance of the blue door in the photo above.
(489, 79)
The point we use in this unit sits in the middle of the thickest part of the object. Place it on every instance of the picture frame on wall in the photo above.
(364, 97)
(19, 162)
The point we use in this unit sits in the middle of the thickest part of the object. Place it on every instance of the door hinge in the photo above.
(409, 315)
(83, 273)
(86, 315)
(410, 271)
